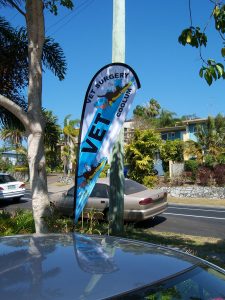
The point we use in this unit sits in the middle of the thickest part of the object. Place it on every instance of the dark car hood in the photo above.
(73, 266)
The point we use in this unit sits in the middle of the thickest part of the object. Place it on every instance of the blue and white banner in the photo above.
(107, 102)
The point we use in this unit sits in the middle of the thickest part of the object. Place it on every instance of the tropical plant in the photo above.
(14, 135)
(194, 150)
(152, 108)
(171, 150)
(32, 119)
(166, 118)
(153, 116)
(71, 133)
(140, 154)
(211, 136)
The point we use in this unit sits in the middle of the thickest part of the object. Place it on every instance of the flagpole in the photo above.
(116, 203)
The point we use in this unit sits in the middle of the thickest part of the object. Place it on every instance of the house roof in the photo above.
(194, 121)
(169, 129)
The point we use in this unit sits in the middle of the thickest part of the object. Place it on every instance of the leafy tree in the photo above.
(195, 37)
(32, 119)
(140, 154)
(171, 150)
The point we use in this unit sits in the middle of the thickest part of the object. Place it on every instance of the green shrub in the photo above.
(21, 169)
(210, 161)
(191, 165)
(21, 222)
(221, 158)
(48, 170)
(150, 181)
(190, 169)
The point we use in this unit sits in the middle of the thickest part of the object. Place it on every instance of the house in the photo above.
(12, 156)
(184, 130)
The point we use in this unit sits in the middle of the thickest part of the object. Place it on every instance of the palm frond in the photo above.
(53, 58)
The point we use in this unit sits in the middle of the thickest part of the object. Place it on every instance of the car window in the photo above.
(132, 187)
(196, 283)
(100, 190)
(71, 192)
(6, 178)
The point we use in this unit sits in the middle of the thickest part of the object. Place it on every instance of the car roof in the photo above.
(73, 266)
(106, 180)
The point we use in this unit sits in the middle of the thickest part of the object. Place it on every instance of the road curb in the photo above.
(196, 205)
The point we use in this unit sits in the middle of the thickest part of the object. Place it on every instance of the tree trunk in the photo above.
(38, 181)
(36, 156)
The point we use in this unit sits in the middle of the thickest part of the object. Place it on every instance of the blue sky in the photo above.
(167, 71)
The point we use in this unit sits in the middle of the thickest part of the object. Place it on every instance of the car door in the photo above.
(99, 198)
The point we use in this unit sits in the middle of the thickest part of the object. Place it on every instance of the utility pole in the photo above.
(116, 203)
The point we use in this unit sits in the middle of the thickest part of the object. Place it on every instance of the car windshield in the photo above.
(6, 178)
(132, 187)
(196, 283)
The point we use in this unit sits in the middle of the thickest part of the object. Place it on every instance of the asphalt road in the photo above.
(193, 220)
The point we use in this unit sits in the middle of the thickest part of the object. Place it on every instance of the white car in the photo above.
(10, 187)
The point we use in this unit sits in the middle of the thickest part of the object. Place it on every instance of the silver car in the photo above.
(81, 267)
(140, 203)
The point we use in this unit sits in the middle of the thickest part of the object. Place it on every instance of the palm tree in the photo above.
(211, 136)
(152, 108)
(166, 118)
(14, 66)
(14, 135)
(52, 130)
(71, 133)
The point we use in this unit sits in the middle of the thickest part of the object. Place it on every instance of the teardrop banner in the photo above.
(107, 102)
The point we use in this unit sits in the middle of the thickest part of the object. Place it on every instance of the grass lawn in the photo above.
(211, 249)
(196, 201)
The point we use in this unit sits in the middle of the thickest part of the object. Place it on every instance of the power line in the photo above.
(74, 13)
(13, 17)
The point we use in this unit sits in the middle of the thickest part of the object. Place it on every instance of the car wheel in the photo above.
(16, 199)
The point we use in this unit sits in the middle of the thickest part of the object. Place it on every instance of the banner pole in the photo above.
(116, 203)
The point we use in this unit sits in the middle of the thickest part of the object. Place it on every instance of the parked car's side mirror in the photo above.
(64, 194)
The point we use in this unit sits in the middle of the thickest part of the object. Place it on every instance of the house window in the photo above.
(164, 136)
(171, 135)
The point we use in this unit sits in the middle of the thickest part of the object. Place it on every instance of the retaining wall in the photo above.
(196, 192)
